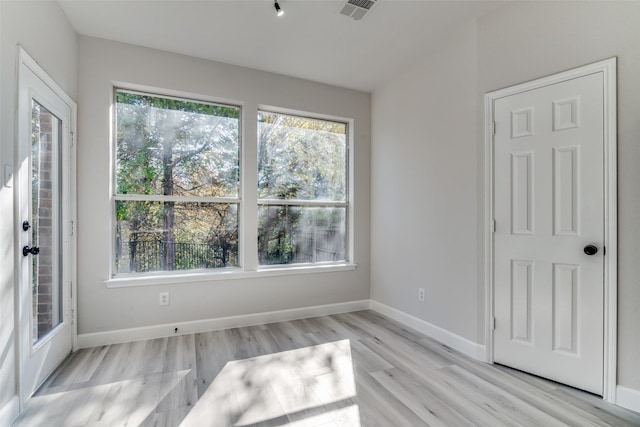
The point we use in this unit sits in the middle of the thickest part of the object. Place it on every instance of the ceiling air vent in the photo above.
(357, 9)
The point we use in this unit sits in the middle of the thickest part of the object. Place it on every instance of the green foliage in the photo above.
(169, 146)
(172, 147)
(165, 103)
(298, 159)
(175, 147)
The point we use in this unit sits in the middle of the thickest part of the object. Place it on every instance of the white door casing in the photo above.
(40, 352)
(551, 162)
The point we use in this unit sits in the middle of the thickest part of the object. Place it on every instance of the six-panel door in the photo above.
(548, 207)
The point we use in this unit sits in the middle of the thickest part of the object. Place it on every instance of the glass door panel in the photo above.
(46, 141)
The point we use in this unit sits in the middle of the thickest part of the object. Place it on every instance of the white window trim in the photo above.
(159, 197)
(230, 273)
(348, 203)
(247, 201)
(300, 202)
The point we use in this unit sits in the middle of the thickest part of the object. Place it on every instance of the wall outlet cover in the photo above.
(164, 298)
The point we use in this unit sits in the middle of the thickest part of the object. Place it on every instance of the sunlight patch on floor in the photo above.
(349, 416)
(127, 402)
(311, 386)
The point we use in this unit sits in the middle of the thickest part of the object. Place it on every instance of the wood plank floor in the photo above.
(354, 369)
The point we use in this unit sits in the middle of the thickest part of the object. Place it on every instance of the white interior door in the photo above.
(44, 227)
(549, 212)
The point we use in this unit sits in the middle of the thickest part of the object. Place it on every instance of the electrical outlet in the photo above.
(421, 294)
(164, 298)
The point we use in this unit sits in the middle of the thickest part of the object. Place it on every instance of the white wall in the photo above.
(424, 202)
(44, 32)
(105, 309)
(428, 165)
(545, 38)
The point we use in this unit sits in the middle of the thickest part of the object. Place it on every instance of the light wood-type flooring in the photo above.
(353, 369)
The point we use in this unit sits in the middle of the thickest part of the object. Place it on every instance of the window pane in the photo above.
(46, 208)
(296, 234)
(301, 158)
(165, 236)
(166, 146)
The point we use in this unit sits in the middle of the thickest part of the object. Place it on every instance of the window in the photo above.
(177, 181)
(177, 199)
(302, 189)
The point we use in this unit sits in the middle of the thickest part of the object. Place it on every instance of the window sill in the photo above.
(226, 274)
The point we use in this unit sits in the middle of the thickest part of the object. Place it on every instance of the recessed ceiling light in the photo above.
(279, 10)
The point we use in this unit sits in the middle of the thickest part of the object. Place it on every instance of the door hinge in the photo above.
(493, 128)
(73, 138)
(492, 323)
(493, 226)
(72, 227)
(73, 316)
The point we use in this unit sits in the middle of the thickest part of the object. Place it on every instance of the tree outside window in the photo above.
(177, 174)
(302, 189)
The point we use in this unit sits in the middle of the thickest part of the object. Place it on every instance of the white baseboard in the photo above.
(166, 330)
(10, 411)
(628, 398)
(463, 345)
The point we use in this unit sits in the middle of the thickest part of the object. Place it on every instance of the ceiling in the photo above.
(311, 41)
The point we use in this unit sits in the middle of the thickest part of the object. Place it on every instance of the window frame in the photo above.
(315, 203)
(247, 200)
(115, 197)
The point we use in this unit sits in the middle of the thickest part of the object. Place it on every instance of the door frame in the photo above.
(69, 211)
(608, 68)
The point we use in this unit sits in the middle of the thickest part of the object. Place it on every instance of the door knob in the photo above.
(591, 249)
(26, 250)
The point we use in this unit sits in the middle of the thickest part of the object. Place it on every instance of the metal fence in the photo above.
(140, 256)
(155, 255)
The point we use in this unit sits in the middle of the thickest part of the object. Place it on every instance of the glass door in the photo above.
(45, 245)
